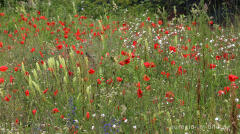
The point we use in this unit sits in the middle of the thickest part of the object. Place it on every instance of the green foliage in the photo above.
(53, 7)
(150, 114)
(221, 10)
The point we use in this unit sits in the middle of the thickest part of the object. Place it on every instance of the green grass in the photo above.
(193, 105)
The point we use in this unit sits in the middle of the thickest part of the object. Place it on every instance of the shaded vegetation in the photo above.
(221, 10)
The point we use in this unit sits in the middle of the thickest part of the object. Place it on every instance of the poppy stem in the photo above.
(234, 112)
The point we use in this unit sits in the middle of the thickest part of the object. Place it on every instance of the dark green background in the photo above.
(219, 9)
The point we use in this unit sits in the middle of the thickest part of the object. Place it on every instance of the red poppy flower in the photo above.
(55, 110)
(167, 74)
(56, 92)
(123, 53)
(87, 115)
(22, 42)
(15, 69)
(99, 81)
(41, 54)
(109, 81)
(9, 96)
(11, 79)
(141, 25)
(1, 44)
(156, 46)
(238, 106)
(134, 43)
(139, 92)
(147, 64)
(152, 65)
(6, 98)
(138, 85)
(119, 79)
(27, 92)
(232, 77)
(212, 66)
(3, 68)
(221, 92)
(78, 52)
(127, 61)
(185, 55)
(163, 73)
(148, 18)
(160, 22)
(26, 73)
(34, 111)
(172, 48)
(59, 47)
(194, 23)
(32, 50)
(153, 24)
(180, 70)
(122, 63)
(45, 91)
(226, 89)
(17, 121)
(148, 87)
(146, 78)
(218, 57)
(234, 86)
(50, 69)
(181, 102)
(210, 22)
(133, 55)
(43, 18)
(70, 73)
(91, 71)
(169, 96)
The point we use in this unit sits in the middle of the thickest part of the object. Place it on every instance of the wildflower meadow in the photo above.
(126, 74)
